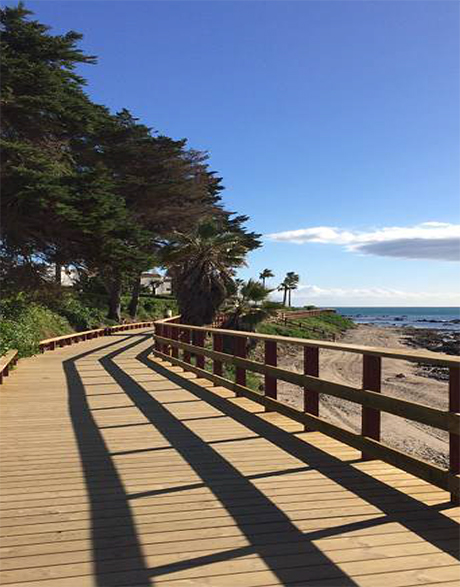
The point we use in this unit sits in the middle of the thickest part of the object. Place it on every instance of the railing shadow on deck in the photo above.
(413, 514)
(370, 489)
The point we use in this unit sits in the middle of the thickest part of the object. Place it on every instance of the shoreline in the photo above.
(400, 379)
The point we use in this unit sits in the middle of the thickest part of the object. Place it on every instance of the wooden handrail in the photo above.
(6, 362)
(68, 339)
(413, 356)
(171, 336)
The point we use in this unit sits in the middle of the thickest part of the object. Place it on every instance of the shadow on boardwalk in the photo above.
(307, 566)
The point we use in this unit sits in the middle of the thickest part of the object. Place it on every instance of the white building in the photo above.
(157, 283)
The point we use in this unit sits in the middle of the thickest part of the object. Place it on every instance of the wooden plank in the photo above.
(268, 517)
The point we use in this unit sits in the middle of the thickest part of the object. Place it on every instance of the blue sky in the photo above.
(337, 121)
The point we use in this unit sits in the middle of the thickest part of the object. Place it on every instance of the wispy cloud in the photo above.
(378, 296)
(429, 240)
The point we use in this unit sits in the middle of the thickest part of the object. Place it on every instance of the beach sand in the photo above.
(399, 379)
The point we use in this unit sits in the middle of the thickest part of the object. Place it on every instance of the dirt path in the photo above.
(399, 379)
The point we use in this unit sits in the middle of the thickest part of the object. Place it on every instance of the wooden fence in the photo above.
(307, 313)
(171, 337)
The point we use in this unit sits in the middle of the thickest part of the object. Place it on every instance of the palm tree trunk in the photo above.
(285, 296)
(289, 297)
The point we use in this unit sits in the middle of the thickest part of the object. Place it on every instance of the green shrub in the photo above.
(80, 315)
(23, 324)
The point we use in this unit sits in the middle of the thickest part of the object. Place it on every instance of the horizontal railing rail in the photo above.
(230, 347)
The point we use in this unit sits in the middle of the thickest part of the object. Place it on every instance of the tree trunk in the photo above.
(263, 281)
(289, 298)
(58, 273)
(285, 296)
(134, 302)
(115, 301)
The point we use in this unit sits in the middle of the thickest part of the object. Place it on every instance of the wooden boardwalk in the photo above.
(117, 469)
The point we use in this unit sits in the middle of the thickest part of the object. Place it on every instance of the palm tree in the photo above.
(202, 266)
(249, 306)
(284, 287)
(293, 282)
(265, 274)
(289, 283)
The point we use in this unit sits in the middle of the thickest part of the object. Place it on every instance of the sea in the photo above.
(433, 318)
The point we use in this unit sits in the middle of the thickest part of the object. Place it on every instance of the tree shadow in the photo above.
(96, 460)
(286, 567)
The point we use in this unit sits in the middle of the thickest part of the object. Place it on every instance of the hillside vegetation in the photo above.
(23, 323)
(324, 326)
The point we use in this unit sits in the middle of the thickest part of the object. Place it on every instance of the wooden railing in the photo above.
(11, 357)
(68, 339)
(171, 337)
(308, 313)
(6, 362)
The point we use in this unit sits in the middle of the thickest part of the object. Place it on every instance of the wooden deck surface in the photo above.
(117, 469)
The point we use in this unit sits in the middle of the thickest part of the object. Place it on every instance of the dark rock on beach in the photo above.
(438, 341)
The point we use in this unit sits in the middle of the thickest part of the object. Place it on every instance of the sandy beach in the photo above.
(399, 379)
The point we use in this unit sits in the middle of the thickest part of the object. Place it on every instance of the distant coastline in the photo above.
(433, 318)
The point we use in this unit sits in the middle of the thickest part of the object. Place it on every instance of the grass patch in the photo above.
(322, 327)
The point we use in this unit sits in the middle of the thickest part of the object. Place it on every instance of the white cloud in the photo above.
(374, 296)
(428, 240)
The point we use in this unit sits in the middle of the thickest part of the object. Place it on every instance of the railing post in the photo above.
(186, 338)
(166, 334)
(199, 336)
(157, 333)
(370, 417)
(160, 333)
(271, 358)
(240, 351)
(218, 345)
(311, 367)
(174, 336)
(454, 439)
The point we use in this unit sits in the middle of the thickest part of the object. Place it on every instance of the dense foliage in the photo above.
(86, 188)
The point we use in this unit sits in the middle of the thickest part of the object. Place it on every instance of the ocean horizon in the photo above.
(437, 318)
